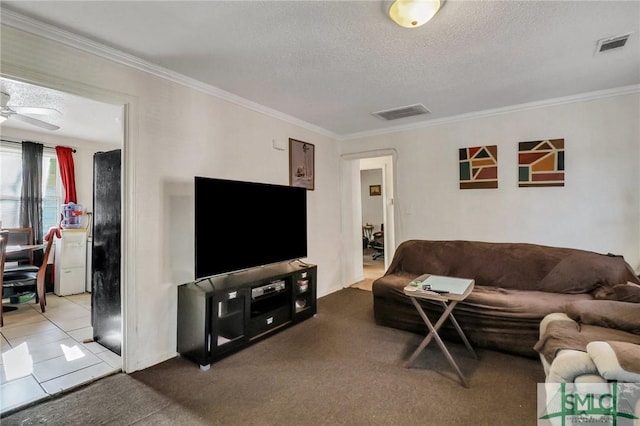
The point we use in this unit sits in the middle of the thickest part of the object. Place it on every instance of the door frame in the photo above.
(129, 129)
(351, 212)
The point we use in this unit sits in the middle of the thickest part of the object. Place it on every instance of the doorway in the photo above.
(53, 351)
(368, 216)
(372, 189)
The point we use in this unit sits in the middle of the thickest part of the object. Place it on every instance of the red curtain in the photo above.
(67, 172)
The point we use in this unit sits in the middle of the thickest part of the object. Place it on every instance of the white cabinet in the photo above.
(71, 262)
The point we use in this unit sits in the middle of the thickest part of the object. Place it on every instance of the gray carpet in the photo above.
(338, 368)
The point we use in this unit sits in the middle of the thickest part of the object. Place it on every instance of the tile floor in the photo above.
(43, 353)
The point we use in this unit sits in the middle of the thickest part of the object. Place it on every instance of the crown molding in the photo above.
(50, 32)
(599, 94)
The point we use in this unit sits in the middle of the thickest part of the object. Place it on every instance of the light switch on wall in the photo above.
(278, 144)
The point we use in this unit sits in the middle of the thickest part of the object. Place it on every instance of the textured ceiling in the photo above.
(333, 63)
(77, 117)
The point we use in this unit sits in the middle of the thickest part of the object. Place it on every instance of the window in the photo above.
(11, 186)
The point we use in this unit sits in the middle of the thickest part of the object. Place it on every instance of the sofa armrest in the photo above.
(570, 364)
(616, 360)
(556, 316)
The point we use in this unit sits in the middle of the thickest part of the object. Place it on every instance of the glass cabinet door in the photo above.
(229, 320)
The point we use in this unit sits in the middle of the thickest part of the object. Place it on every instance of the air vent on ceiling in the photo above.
(406, 111)
(611, 43)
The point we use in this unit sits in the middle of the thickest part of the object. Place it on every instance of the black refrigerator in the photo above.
(106, 311)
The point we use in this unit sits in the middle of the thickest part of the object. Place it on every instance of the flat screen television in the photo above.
(241, 225)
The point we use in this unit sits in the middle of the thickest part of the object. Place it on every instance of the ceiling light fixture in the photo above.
(413, 13)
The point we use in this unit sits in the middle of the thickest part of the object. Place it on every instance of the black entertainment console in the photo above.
(221, 315)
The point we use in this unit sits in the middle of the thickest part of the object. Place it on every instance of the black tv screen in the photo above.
(241, 225)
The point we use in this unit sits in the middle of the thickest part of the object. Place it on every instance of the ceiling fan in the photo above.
(17, 113)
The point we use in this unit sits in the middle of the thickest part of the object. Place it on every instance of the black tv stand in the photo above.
(221, 315)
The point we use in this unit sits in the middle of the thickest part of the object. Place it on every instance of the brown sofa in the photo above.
(516, 285)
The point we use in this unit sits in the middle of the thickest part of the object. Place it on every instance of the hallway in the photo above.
(372, 269)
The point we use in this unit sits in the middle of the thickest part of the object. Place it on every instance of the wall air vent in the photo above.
(406, 111)
(610, 43)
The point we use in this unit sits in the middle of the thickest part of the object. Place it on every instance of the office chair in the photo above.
(377, 243)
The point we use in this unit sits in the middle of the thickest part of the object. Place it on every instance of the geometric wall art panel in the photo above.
(541, 163)
(478, 167)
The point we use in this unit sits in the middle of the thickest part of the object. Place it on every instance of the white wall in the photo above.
(174, 133)
(598, 208)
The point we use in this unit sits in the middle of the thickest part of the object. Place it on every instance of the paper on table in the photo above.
(452, 285)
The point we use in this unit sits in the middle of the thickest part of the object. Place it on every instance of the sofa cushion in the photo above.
(616, 360)
(571, 275)
(628, 292)
(501, 302)
(606, 313)
(561, 335)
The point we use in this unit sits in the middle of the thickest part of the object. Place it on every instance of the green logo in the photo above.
(566, 404)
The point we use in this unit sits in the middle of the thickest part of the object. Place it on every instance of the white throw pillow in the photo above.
(569, 364)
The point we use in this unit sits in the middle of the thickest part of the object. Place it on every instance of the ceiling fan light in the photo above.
(413, 13)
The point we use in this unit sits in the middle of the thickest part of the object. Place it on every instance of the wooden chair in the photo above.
(20, 277)
(24, 259)
(42, 272)
(31, 276)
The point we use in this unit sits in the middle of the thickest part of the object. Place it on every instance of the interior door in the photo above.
(106, 312)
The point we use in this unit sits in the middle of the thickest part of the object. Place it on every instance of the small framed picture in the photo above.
(375, 190)
(301, 164)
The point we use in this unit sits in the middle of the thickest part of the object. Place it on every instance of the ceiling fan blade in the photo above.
(34, 121)
(35, 110)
